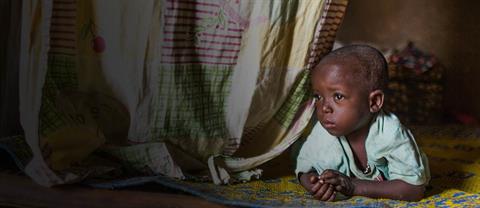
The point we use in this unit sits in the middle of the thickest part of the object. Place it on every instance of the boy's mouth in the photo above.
(328, 124)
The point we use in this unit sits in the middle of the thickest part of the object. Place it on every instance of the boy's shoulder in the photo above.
(388, 130)
(388, 120)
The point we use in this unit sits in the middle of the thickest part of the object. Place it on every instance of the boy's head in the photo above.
(349, 84)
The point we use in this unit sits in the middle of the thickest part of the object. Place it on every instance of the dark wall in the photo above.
(9, 53)
(446, 28)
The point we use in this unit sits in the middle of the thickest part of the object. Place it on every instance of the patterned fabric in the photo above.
(204, 77)
(18, 149)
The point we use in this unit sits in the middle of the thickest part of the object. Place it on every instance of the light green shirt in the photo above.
(391, 150)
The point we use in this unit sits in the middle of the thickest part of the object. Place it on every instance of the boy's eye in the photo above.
(338, 96)
(317, 97)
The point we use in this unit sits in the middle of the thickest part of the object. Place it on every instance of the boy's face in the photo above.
(342, 101)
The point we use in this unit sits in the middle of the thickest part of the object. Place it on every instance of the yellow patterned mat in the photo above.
(453, 151)
(286, 192)
(454, 155)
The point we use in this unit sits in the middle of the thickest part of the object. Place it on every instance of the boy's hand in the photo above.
(324, 191)
(340, 182)
(308, 180)
(318, 189)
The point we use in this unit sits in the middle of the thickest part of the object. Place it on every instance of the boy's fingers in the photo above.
(317, 195)
(321, 191)
(327, 193)
(315, 187)
(339, 188)
(333, 181)
(332, 197)
(328, 174)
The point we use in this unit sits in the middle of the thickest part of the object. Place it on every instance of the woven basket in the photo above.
(416, 98)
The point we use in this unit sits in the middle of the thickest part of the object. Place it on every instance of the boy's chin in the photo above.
(334, 130)
(334, 133)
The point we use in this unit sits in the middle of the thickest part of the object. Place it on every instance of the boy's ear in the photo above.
(376, 100)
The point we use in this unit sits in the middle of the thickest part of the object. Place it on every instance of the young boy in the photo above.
(355, 148)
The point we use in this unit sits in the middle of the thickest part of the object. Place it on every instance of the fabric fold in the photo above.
(107, 85)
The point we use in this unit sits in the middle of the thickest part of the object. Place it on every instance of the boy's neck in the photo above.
(360, 135)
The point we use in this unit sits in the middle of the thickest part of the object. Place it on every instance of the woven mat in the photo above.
(454, 156)
(453, 152)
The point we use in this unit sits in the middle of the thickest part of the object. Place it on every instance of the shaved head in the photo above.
(367, 64)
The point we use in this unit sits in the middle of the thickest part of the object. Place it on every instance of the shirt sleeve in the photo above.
(319, 152)
(406, 161)
(304, 158)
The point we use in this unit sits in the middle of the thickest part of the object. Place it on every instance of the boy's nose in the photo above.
(326, 108)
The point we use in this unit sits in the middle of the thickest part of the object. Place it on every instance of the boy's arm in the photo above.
(394, 189)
